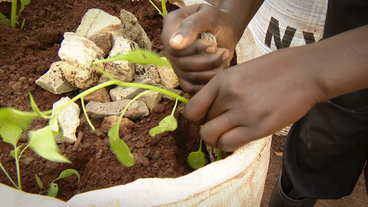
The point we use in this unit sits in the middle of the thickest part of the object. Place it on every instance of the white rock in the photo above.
(96, 21)
(121, 92)
(99, 27)
(136, 110)
(79, 51)
(168, 77)
(68, 120)
(54, 80)
(151, 99)
(120, 70)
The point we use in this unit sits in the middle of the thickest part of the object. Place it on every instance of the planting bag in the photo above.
(237, 180)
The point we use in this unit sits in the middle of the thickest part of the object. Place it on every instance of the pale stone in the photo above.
(168, 77)
(80, 77)
(136, 110)
(120, 70)
(121, 92)
(133, 30)
(151, 99)
(79, 51)
(54, 81)
(101, 95)
(99, 26)
(68, 120)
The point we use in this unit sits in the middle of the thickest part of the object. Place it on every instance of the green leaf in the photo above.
(39, 182)
(66, 173)
(53, 190)
(15, 117)
(25, 2)
(10, 133)
(4, 20)
(35, 107)
(121, 150)
(197, 159)
(15, 153)
(169, 123)
(141, 56)
(43, 143)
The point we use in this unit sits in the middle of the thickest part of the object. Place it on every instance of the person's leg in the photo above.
(280, 199)
(324, 154)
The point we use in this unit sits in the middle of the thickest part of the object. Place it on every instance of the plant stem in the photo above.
(13, 18)
(7, 175)
(164, 10)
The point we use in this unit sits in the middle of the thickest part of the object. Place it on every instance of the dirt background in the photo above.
(26, 55)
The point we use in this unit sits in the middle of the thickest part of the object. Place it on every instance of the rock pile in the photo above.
(101, 36)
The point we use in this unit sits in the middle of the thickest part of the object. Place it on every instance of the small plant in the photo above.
(54, 188)
(10, 134)
(14, 16)
(197, 159)
(163, 5)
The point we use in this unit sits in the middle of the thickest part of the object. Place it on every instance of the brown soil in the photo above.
(26, 55)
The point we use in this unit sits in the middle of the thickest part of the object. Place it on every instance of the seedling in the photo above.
(197, 159)
(10, 134)
(14, 17)
(168, 123)
(163, 5)
(54, 188)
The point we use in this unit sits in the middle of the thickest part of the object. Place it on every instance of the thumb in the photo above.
(191, 26)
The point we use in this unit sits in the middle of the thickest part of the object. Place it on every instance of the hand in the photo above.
(252, 100)
(196, 61)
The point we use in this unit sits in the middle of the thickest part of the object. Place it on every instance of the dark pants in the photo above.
(326, 150)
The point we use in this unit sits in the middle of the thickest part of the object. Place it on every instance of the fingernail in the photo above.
(177, 39)
(211, 49)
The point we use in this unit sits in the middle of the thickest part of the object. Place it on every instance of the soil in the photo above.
(26, 55)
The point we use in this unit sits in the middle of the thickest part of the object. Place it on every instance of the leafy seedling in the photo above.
(14, 16)
(168, 123)
(197, 159)
(10, 134)
(163, 5)
(54, 188)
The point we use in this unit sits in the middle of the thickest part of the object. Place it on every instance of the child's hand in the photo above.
(196, 61)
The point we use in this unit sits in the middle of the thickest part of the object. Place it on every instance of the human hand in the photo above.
(196, 61)
(252, 100)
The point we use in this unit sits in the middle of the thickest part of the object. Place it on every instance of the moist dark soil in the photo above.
(26, 55)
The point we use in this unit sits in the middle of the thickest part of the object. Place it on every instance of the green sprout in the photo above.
(163, 5)
(10, 134)
(197, 159)
(54, 188)
(14, 16)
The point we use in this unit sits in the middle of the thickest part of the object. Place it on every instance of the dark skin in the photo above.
(249, 101)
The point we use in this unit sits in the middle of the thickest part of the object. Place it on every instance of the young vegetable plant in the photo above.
(10, 134)
(14, 16)
(197, 159)
(54, 188)
(163, 5)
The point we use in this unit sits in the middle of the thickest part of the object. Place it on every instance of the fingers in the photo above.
(196, 63)
(186, 33)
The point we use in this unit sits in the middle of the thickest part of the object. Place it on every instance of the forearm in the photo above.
(338, 65)
(241, 11)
